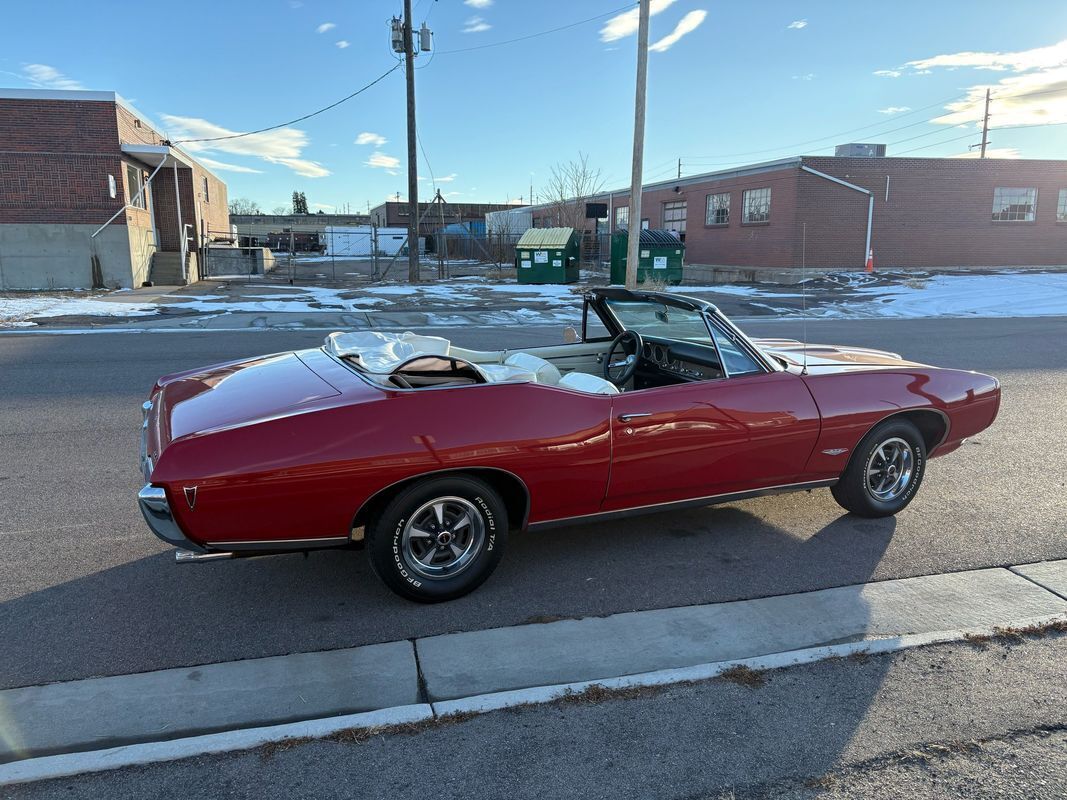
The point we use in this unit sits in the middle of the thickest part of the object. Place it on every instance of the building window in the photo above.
(718, 212)
(1014, 205)
(674, 217)
(756, 205)
(134, 184)
(622, 217)
(1061, 208)
(207, 197)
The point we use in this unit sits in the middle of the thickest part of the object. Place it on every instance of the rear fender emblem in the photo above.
(833, 451)
(190, 496)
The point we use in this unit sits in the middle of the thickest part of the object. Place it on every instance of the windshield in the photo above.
(660, 320)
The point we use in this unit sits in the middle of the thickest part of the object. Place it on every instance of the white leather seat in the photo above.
(544, 371)
(584, 382)
(504, 373)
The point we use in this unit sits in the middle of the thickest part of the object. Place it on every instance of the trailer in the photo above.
(358, 241)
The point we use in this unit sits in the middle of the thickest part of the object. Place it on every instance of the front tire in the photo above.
(885, 471)
(438, 539)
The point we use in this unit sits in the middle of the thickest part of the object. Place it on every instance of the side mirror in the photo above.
(570, 335)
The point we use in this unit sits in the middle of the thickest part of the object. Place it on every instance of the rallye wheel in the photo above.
(438, 539)
(885, 470)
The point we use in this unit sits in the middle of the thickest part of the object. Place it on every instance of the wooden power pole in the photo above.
(633, 236)
(413, 163)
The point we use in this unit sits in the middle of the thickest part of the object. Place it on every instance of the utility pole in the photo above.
(679, 168)
(413, 162)
(985, 125)
(634, 242)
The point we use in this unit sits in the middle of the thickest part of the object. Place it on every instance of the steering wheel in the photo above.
(621, 370)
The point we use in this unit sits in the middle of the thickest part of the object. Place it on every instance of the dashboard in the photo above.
(690, 361)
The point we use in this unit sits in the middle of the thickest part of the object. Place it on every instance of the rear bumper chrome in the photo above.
(156, 510)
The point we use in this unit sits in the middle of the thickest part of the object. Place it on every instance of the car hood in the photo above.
(824, 357)
(236, 393)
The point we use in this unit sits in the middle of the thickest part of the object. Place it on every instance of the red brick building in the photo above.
(92, 195)
(923, 212)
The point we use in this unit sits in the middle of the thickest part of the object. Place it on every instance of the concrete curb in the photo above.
(36, 769)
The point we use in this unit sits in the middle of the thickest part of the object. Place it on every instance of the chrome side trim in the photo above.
(280, 544)
(156, 510)
(713, 499)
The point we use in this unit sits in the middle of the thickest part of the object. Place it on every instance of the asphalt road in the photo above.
(952, 721)
(85, 589)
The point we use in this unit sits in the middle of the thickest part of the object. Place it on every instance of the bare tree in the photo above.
(242, 205)
(572, 183)
(281, 211)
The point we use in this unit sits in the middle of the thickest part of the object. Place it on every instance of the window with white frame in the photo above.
(134, 184)
(674, 216)
(718, 210)
(756, 205)
(622, 217)
(1014, 204)
(1061, 207)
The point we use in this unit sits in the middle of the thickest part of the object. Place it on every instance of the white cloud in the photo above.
(448, 178)
(342, 44)
(323, 206)
(301, 166)
(450, 194)
(380, 160)
(797, 24)
(211, 163)
(888, 73)
(689, 23)
(991, 152)
(478, 3)
(42, 76)
(283, 146)
(1036, 94)
(894, 109)
(1020, 61)
(476, 25)
(326, 26)
(367, 137)
(807, 76)
(626, 23)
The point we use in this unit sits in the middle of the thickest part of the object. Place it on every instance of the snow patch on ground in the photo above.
(18, 311)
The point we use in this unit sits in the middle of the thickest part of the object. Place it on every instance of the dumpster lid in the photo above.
(545, 237)
(657, 237)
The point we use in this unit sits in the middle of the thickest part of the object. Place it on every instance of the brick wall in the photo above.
(55, 156)
(938, 212)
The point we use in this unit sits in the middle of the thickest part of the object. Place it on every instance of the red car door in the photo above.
(708, 438)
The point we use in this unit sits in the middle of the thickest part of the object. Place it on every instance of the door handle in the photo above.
(628, 417)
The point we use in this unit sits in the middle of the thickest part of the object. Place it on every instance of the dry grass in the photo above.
(744, 676)
(598, 693)
(542, 619)
(361, 735)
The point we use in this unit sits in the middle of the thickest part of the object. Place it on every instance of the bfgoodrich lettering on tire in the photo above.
(885, 471)
(439, 538)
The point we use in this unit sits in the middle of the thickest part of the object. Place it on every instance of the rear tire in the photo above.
(438, 539)
(885, 471)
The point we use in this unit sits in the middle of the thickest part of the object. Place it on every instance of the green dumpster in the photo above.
(547, 255)
(661, 254)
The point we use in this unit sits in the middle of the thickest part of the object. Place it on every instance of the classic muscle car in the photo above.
(428, 454)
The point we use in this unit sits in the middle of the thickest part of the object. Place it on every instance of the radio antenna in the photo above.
(804, 295)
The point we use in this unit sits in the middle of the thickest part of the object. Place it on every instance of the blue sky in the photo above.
(729, 83)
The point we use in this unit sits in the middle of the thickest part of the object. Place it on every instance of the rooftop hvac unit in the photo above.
(860, 150)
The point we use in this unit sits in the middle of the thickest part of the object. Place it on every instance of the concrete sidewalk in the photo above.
(483, 669)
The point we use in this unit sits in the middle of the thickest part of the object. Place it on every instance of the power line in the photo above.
(541, 33)
(293, 121)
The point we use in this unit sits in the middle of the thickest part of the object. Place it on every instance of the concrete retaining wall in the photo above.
(58, 256)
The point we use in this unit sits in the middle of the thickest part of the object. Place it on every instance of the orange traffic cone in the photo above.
(870, 260)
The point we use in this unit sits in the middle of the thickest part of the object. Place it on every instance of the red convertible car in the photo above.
(428, 454)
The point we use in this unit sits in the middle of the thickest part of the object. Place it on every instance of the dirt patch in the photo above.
(744, 676)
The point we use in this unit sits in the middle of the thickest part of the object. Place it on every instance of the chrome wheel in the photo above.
(443, 537)
(889, 469)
